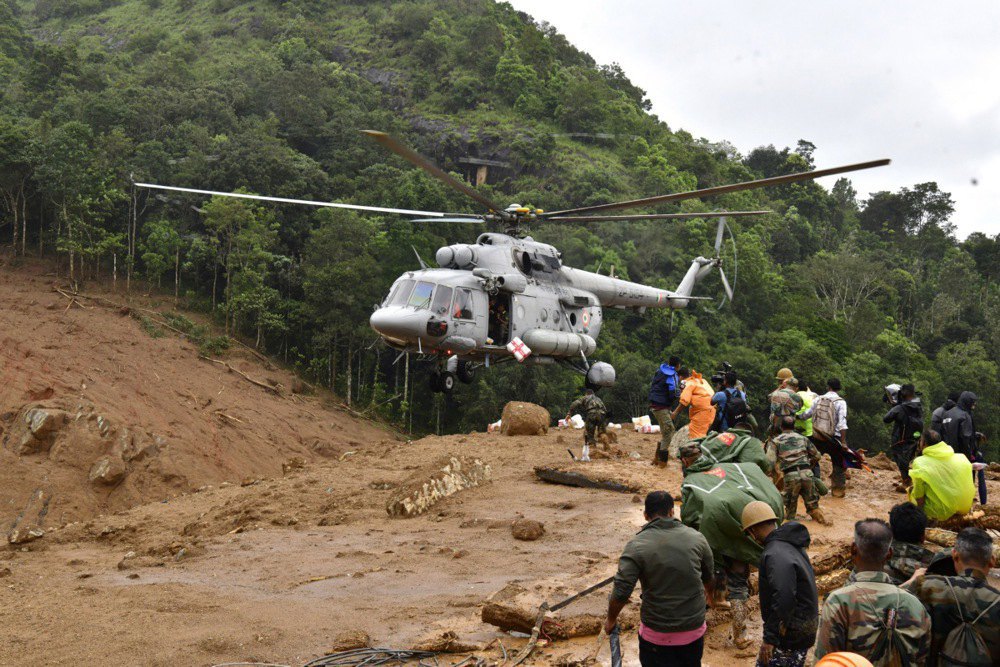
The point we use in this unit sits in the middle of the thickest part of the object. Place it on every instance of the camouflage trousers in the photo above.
(666, 433)
(799, 483)
(786, 657)
(591, 429)
(732, 576)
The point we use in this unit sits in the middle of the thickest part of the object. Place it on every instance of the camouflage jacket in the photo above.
(906, 558)
(784, 403)
(858, 618)
(794, 449)
(974, 595)
(590, 407)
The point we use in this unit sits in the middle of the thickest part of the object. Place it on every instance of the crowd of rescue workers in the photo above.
(903, 604)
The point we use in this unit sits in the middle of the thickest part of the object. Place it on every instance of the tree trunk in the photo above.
(114, 271)
(215, 280)
(177, 274)
(24, 223)
(350, 355)
(406, 389)
(72, 255)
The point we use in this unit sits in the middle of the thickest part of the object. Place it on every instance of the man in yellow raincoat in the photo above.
(942, 479)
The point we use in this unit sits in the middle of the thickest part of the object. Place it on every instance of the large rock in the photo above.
(28, 524)
(521, 418)
(42, 424)
(445, 477)
(107, 471)
(680, 438)
(527, 530)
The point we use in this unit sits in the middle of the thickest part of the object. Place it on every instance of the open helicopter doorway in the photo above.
(499, 323)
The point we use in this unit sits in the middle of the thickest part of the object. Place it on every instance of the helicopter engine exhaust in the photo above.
(601, 374)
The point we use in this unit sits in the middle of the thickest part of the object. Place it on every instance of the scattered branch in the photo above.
(263, 385)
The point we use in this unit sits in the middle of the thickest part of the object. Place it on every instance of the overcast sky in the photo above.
(918, 82)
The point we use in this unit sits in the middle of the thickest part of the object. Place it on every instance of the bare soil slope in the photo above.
(157, 419)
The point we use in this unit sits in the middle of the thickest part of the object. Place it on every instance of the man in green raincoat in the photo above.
(713, 497)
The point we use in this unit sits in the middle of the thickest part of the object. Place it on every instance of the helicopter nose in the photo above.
(400, 323)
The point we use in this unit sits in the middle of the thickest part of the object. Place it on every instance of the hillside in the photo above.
(123, 418)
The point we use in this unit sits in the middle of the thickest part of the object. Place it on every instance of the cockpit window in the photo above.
(421, 295)
(463, 305)
(442, 299)
(400, 294)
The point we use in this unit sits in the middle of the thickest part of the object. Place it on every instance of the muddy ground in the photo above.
(241, 561)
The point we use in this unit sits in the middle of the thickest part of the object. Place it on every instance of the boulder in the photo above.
(107, 471)
(680, 438)
(349, 640)
(527, 530)
(521, 418)
(42, 424)
(445, 477)
(28, 524)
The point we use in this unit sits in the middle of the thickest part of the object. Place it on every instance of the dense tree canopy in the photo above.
(269, 96)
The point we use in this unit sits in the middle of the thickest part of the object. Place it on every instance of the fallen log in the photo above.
(446, 476)
(831, 581)
(515, 608)
(832, 560)
(263, 385)
(585, 481)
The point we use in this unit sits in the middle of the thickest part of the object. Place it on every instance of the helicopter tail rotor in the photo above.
(720, 231)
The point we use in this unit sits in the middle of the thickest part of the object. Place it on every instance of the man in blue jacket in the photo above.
(664, 393)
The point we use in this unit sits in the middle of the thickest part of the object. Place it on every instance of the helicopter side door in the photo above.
(469, 314)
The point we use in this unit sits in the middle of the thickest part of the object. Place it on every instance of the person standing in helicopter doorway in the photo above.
(664, 392)
(595, 416)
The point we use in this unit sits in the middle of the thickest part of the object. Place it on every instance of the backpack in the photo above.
(825, 416)
(736, 408)
(964, 645)
(889, 646)
(672, 385)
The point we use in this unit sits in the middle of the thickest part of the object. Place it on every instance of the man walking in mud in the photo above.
(595, 419)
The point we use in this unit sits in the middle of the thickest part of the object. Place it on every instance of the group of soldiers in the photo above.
(725, 472)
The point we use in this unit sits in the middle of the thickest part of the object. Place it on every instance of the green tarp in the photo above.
(713, 496)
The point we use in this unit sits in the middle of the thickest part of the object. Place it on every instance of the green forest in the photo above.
(269, 96)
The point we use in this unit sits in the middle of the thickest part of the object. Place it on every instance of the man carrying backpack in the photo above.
(872, 616)
(907, 419)
(784, 400)
(829, 422)
(664, 393)
(730, 403)
(964, 609)
(959, 431)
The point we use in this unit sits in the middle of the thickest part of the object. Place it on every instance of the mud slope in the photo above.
(142, 416)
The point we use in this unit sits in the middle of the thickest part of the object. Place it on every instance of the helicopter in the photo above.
(507, 297)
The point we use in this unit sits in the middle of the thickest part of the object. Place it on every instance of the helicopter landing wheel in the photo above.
(446, 382)
(466, 372)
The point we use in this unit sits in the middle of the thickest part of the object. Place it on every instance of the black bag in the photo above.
(736, 409)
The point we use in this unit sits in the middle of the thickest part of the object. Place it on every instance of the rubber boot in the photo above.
(739, 635)
(817, 516)
(838, 491)
(719, 600)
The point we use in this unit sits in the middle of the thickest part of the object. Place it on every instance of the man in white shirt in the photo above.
(829, 416)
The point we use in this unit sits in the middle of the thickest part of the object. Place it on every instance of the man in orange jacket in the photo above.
(697, 397)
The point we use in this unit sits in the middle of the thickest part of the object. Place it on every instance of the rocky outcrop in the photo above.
(107, 471)
(41, 424)
(445, 477)
(521, 418)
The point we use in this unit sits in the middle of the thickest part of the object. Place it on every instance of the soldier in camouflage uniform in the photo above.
(595, 419)
(784, 400)
(908, 523)
(966, 597)
(796, 455)
(872, 616)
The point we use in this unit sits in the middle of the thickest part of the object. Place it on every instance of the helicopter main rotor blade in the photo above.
(721, 189)
(420, 161)
(240, 195)
(653, 216)
(471, 221)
